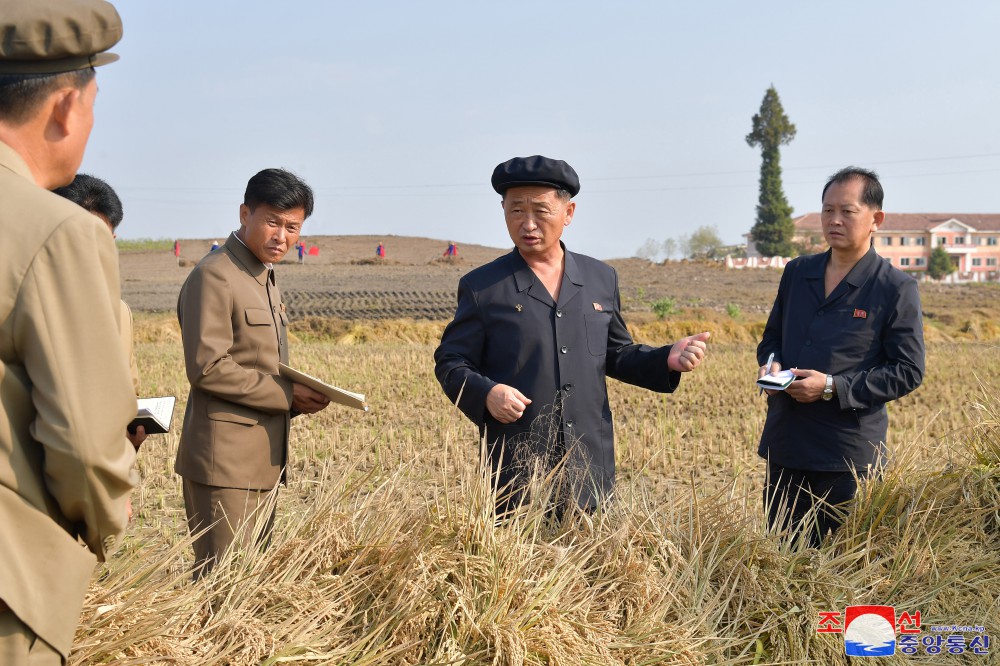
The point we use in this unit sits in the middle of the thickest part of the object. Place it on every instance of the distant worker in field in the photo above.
(301, 247)
(215, 246)
(535, 334)
(233, 449)
(65, 391)
(97, 197)
(451, 250)
(848, 326)
(177, 251)
(380, 251)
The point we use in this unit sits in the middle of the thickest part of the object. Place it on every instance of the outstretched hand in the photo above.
(687, 353)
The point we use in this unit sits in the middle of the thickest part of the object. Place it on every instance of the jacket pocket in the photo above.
(258, 317)
(230, 412)
(597, 326)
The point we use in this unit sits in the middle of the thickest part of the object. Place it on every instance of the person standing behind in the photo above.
(536, 332)
(97, 197)
(848, 325)
(65, 391)
(234, 445)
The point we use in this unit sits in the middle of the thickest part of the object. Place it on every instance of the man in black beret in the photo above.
(534, 336)
(66, 393)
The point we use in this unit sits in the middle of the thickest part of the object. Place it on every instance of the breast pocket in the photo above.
(258, 317)
(858, 327)
(597, 325)
(853, 340)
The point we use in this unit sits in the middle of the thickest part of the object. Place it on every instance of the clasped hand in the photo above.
(807, 388)
(506, 404)
(307, 401)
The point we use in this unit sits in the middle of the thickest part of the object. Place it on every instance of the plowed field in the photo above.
(346, 282)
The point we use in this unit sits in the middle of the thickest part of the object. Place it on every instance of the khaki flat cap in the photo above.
(53, 36)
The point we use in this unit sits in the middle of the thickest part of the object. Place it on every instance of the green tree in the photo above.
(704, 242)
(940, 264)
(773, 230)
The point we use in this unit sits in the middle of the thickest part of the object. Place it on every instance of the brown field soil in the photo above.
(346, 281)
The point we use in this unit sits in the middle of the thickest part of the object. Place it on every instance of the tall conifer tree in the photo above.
(773, 231)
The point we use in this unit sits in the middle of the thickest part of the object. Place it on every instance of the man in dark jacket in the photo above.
(848, 326)
(534, 335)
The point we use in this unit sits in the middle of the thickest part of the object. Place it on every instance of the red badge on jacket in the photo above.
(860, 314)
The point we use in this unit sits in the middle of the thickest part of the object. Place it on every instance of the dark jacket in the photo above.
(507, 330)
(868, 334)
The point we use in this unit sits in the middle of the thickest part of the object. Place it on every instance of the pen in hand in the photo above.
(770, 359)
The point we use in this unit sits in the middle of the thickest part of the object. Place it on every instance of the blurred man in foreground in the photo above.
(535, 334)
(65, 391)
(848, 326)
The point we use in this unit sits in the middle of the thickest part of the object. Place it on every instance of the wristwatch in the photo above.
(828, 389)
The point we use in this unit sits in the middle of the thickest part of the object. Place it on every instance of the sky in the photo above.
(396, 113)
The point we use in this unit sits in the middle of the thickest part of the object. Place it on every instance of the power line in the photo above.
(694, 174)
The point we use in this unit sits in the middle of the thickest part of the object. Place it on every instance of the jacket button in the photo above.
(563, 349)
(559, 313)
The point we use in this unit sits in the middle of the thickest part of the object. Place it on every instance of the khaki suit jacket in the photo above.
(234, 330)
(65, 399)
(126, 333)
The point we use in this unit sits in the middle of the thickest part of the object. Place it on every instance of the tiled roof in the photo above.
(913, 221)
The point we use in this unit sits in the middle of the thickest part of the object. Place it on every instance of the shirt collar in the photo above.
(858, 273)
(269, 266)
(524, 277)
(242, 253)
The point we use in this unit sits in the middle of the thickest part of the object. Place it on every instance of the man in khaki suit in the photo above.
(65, 391)
(234, 444)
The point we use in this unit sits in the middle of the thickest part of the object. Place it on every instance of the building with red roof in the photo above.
(972, 240)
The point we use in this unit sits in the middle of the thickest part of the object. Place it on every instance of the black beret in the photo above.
(535, 170)
(55, 36)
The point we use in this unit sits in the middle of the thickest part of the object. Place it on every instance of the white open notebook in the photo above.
(779, 381)
(335, 394)
(154, 414)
